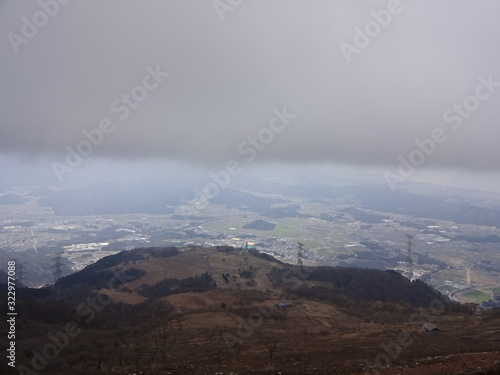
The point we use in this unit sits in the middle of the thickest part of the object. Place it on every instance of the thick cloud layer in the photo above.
(350, 98)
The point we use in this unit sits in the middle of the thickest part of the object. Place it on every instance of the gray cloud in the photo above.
(227, 77)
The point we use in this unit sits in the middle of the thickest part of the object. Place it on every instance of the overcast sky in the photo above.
(207, 75)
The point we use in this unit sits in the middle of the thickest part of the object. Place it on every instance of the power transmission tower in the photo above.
(300, 254)
(57, 273)
(57, 267)
(409, 269)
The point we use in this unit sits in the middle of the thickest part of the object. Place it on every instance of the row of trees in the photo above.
(354, 283)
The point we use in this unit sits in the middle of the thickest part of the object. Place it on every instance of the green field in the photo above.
(477, 296)
(289, 229)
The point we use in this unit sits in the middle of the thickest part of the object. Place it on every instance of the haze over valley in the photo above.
(340, 221)
(250, 187)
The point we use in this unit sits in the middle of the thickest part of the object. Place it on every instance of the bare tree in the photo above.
(121, 348)
(150, 348)
(99, 350)
(163, 341)
(270, 341)
(140, 351)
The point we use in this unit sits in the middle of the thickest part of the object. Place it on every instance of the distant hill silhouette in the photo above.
(379, 197)
(384, 200)
(260, 225)
(240, 199)
(11, 198)
(115, 199)
(41, 192)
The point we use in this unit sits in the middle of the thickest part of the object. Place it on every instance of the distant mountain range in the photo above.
(152, 199)
(381, 198)
(116, 199)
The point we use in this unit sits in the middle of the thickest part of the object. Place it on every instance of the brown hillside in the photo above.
(203, 311)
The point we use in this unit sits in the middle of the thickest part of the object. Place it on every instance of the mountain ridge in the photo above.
(153, 310)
